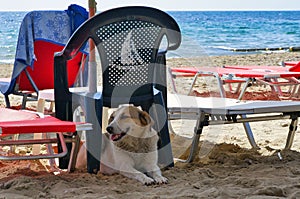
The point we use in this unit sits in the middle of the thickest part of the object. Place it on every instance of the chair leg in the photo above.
(104, 118)
(159, 114)
(93, 109)
(7, 102)
(14, 147)
(40, 108)
(74, 153)
(40, 105)
(24, 101)
(165, 155)
(51, 107)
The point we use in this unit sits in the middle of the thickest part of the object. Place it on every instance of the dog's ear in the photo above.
(145, 118)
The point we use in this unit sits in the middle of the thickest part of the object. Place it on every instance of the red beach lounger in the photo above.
(22, 122)
(247, 74)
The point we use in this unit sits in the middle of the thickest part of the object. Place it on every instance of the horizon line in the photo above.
(178, 10)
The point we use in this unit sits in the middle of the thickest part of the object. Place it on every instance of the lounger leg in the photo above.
(220, 85)
(196, 138)
(171, 130)
(237, 89)
(193, 83)
(244, 88)
(173, 85)
(249, 133)
(292, 130)
(194, 148)
(276, 89)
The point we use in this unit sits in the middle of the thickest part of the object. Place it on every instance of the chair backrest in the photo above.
(128, 41)
(42, 33)
(42, 69)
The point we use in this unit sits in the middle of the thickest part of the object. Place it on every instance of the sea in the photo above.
(203, 32)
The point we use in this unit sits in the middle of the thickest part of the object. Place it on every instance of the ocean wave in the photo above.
(223, 47)
(7, 61)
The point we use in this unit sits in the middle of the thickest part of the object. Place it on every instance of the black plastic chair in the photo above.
(133, 72)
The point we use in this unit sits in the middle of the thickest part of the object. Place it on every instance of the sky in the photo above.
(167, 5)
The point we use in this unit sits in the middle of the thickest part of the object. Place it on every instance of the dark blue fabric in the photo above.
(78, 15)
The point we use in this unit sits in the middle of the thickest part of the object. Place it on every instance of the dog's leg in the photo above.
(130, 172)
(155, 173)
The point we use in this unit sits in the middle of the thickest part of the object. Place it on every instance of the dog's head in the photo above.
(129, 120)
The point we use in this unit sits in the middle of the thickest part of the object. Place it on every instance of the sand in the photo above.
(226, 166)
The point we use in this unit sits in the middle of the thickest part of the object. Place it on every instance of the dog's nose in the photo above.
(110, 129)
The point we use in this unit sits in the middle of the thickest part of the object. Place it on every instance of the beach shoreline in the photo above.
(226, 166)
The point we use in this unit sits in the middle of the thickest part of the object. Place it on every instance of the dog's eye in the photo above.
(125, 116)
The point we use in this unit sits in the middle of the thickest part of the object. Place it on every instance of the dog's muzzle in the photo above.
(113, 135)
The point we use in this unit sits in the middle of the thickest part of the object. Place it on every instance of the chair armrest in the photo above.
(60, 74)
(62, 95)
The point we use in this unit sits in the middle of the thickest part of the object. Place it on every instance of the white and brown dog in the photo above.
(130, 147)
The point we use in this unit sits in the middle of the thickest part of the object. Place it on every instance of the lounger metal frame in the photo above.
(233, 115)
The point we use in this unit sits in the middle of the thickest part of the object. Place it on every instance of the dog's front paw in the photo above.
(147, 181)
(160, 180)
